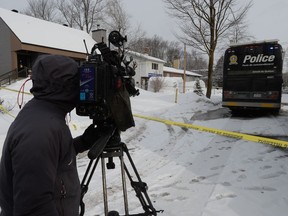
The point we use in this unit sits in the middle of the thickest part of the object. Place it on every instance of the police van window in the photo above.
(253, 50)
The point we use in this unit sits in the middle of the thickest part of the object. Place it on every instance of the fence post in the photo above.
(176, 95)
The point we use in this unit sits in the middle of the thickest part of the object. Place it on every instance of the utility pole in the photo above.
(184, 75)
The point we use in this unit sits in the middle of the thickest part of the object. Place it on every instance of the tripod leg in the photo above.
(85, 183)
(124, 184)
(117, 152)
(104, 185)
(139, 187)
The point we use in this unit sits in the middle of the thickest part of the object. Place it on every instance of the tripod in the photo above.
(115, 148)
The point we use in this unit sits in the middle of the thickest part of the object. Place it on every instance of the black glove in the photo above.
(85, 141)
(90, 135)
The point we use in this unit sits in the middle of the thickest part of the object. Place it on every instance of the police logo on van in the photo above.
(233, 60)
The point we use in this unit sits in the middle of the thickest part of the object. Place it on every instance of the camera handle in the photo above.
(109, 152)
(97, 148)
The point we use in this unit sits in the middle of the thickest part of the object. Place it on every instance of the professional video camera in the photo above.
(106, 84)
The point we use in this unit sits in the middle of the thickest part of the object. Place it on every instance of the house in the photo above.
(174, 79)
(173, 72)
(147, 66)
(23, 38)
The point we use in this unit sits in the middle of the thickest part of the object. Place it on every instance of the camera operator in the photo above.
(38, 173)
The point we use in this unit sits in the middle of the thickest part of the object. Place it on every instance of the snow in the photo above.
(189, 172)
(145, 56)
(173, 85)
(180, 71)
(30, 30)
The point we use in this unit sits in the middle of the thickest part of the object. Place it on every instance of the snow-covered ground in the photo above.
(189, 172)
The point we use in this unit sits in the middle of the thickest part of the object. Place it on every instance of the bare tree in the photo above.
(157, 47)
(195, 60)
(82, 14)
(154, 46)
(66, 12)
(204, 23)
(173, 52)
(134, 34)
(218, 73)
(42, 9)
(116, 17)
(239, 32)
(157, 83)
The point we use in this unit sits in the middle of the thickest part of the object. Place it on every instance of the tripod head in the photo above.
(109, 135)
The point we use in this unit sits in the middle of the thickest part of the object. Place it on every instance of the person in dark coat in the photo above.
(38, 173)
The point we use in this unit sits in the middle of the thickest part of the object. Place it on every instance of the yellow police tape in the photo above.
(235, 135)
(13, 90)
(2, 109)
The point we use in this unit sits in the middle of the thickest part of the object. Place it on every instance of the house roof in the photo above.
(180, 71)
(33, 31)
(145, 56)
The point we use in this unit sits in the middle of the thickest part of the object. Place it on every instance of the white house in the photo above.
(147, 66)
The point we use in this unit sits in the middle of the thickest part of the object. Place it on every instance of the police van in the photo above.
(252, 76)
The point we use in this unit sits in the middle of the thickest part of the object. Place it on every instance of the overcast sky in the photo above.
(267, 19)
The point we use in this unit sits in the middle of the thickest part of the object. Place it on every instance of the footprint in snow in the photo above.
(224, 195)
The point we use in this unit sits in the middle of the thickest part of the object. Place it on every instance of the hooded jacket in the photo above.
(38, 173)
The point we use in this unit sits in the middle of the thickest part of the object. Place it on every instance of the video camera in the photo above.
(106, 84)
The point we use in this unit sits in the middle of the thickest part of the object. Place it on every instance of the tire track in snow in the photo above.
(280, 122)
(204, 173)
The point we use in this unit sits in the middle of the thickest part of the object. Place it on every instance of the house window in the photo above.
(154, 66)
